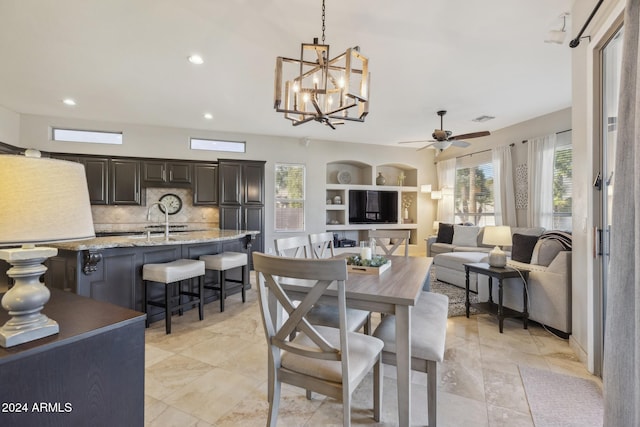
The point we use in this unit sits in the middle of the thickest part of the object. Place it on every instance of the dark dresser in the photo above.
(90, 374)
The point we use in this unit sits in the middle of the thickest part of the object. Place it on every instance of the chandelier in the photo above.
(315, 87)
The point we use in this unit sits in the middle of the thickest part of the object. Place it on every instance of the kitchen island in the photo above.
(110, 268)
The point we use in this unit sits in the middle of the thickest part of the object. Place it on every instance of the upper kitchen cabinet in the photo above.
(241, 182)
(160, 173)
(97, 172)
(205, 191)
(230, 182)
(125, 182)
(253, 177)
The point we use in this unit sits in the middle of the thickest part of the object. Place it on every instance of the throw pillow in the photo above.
(522, 248)
(445, 233)
(465, 235)
(546, 251)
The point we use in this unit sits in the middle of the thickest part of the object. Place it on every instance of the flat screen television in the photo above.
(373, 207)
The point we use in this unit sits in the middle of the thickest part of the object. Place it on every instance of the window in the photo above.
(215, 145)
(290, 187)
(90, 136)
(473, 193)
(562, 182)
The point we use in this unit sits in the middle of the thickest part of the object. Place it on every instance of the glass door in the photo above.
(611, 59)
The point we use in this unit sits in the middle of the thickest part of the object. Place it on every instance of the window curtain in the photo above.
(504, 197)
(621, 375)
(540, 153)
(446, 171)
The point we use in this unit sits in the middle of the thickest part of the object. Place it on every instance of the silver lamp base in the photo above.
(497, 258)
(27, 297)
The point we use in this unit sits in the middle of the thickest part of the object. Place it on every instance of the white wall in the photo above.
(9, 127)
(164, 142)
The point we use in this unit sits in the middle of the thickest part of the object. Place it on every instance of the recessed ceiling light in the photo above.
(482, 119)
(208, 116)
(69, 101)
(196, 59)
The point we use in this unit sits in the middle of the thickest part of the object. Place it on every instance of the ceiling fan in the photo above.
(443, 139)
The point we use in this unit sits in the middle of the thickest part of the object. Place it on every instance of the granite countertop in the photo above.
(156, 239)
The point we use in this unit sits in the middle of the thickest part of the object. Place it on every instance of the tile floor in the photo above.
(213, 373)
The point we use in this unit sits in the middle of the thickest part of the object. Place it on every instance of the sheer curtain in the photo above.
(621, 376)
(504, 198)
(446, 171)
(540, 177)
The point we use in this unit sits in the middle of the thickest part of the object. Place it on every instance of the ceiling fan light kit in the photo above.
(316, 88)
(443, 139)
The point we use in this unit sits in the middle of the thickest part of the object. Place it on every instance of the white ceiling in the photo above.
(126, 61)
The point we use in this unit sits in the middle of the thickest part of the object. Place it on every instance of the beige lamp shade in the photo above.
(43, 201)
(499, 235)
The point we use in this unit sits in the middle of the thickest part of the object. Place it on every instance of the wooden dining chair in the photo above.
(321, 246)
(390, 240)
(330, 361)
(294, 247)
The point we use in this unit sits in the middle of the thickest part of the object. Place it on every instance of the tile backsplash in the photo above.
(105, 217)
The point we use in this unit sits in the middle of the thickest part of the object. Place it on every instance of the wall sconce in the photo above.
(436, 195)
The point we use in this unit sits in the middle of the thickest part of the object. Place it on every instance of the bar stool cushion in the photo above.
(225, 260)
(174, 271)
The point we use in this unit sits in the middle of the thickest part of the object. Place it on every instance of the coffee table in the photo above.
(490, 306)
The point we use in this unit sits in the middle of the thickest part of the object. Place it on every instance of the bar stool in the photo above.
(170, 274)
(221, 263)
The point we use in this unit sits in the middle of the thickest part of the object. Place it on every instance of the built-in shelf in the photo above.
(345, 175)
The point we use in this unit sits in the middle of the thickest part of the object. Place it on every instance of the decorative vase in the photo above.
(406, 213)
(380, 180)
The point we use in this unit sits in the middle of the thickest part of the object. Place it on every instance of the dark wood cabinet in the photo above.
(155, 172)
(97, 172)
(89, 374)
(241, 197)
(205, 191)
(125, 182)
(253, 180)
(230, 182)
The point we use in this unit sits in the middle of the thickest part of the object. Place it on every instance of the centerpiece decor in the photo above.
(376, 265)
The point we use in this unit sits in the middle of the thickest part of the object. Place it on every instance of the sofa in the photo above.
(463, 244)
(548, 262)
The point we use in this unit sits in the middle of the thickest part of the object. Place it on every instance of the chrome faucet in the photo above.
(166, 220)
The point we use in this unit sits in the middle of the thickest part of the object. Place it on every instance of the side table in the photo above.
(490, 306)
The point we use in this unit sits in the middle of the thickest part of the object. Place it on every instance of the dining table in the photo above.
(394, 291)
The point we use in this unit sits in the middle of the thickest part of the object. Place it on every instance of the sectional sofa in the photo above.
(549, 285)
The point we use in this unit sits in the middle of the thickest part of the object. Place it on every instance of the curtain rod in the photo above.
(478, 152)
(510, 145)
(557, 133)
(575, 42)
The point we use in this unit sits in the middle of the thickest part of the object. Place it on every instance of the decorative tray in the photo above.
(377, 265)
